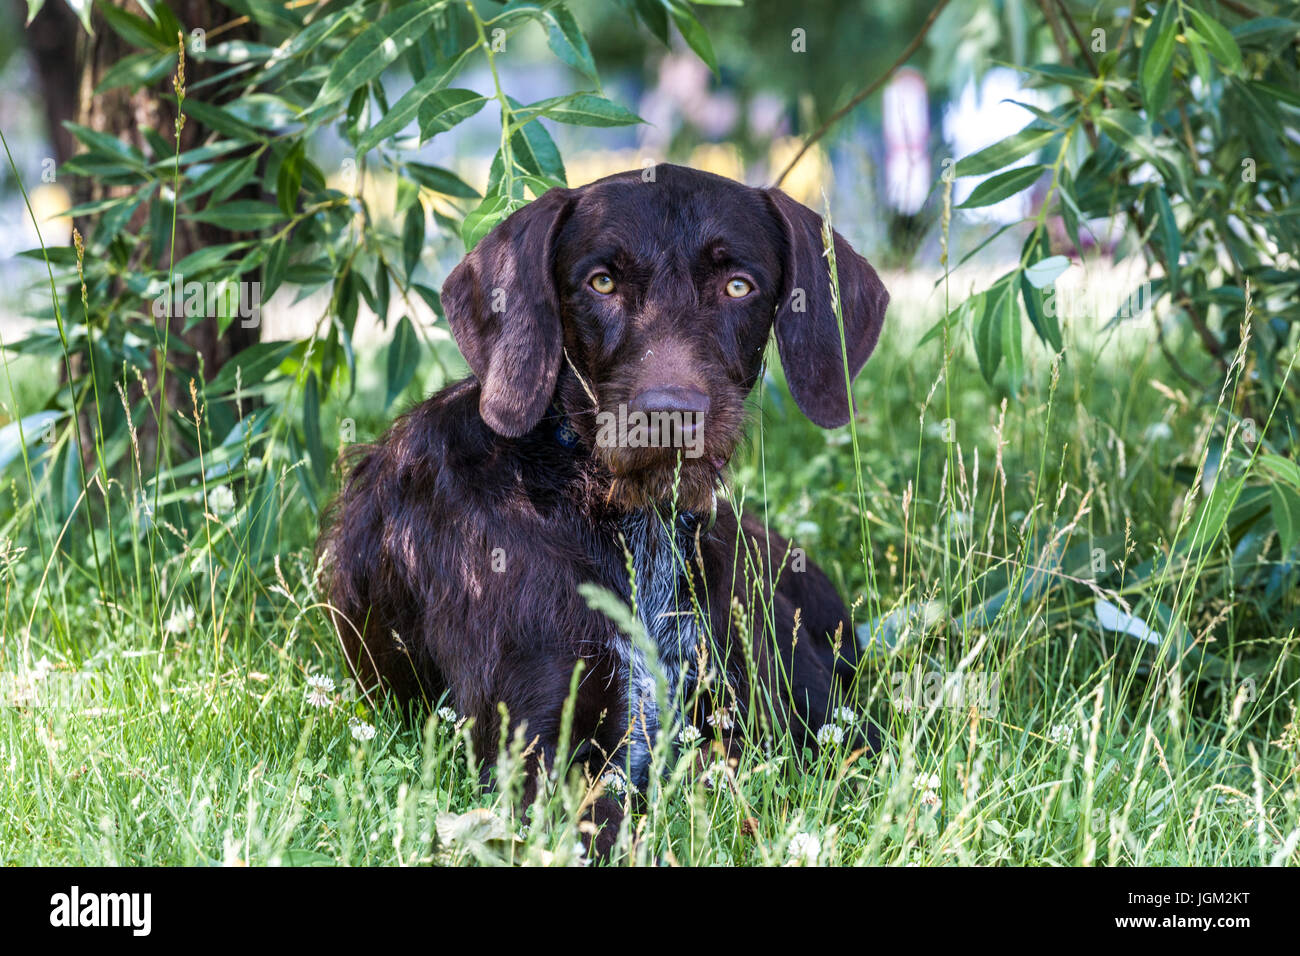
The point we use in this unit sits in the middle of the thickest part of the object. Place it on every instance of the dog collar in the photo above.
(565, 433)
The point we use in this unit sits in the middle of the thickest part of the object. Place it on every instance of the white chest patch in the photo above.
(663, 605)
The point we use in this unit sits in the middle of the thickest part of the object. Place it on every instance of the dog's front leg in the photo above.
(534, 701)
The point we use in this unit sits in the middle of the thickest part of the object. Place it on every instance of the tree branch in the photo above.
(848, 107)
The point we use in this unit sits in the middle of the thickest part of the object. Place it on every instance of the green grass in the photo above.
(132, 732)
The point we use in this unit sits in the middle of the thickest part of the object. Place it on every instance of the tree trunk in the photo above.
(71, 66)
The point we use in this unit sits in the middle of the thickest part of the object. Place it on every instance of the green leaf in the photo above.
(240, 51)
(534, 151)
(430, 297)
(311, 430)
(654, 16)
(1132, 133)
(441, 181)
(1286, 515)
(1046, 271)
(242, 215)
(207, 258)
(412, 238)
(135, 30)
(277, 258)
(82, 9)
(1012, 347)
(288, 182)
(403, 358)
(234, 177)
(1214, 512)
(357, 113)
(989, 339)
(693, 32)
(136, 70)
(1167, 234)
(999, 187)
(219, 119)
(484, 219)
(383, 292)
(106, 145)
(1155, 68)
(1267, 30)
(253, 365)
(1045, 321)
(370, 53)
(1005, 152)
(412, 103)
(441, 111)
(566, 41)
(1283, 469)
(1220, 42)
(582, 109)
(96, 207)
(264, 111)
(1200, 62)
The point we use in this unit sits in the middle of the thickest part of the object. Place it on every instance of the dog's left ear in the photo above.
(504, 312)
(807, 332)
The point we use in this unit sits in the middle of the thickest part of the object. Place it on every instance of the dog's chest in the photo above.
(666, 610)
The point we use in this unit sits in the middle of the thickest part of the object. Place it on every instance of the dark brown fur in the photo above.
(421, 606)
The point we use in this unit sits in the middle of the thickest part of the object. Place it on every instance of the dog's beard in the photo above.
(646, 478)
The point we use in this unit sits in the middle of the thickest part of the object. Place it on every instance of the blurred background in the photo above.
(783, 71)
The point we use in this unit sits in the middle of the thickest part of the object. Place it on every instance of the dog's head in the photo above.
(641, 305)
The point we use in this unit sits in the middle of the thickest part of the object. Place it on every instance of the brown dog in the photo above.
(614, 332)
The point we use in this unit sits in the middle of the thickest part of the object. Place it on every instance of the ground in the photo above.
(1038, 708)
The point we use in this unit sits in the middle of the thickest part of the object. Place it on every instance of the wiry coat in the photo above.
(459, 542)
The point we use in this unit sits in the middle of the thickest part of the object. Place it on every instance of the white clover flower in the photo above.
(803, 850)
(830, 735)
(1061, 733)
(688, 735)
(360, 729)
(221, 500)
(615, 781)
(180, 621)
(448, 715)
(806, 529)
(845, 715)
(922, 782)
(930, 799)
(720, 719)
(319, 688)
(714, 774)
(1159, 431)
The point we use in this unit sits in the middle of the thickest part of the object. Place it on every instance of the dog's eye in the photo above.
(602, 282)
(739, 288)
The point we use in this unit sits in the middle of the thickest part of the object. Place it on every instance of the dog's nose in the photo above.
(671, 398)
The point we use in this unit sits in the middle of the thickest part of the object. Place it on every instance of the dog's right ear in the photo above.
(504, 312)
